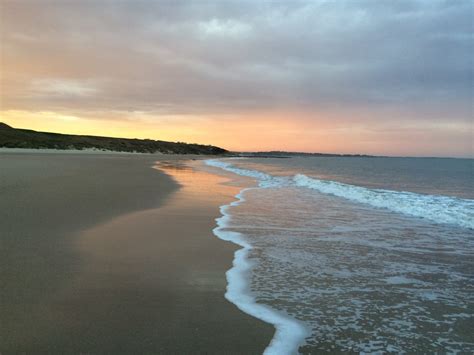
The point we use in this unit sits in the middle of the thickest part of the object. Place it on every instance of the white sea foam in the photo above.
(332, 265)
(440, 209)
(436, 208)
(264, 180)
(290, 333)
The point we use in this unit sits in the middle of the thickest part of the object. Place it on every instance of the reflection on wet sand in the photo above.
(154, 281)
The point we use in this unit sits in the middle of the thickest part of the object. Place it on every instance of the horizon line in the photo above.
(266, 151)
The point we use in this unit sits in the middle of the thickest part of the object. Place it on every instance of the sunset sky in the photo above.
(356, 76)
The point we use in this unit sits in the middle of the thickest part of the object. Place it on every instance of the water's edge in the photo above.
(362, 269)
(289, 334)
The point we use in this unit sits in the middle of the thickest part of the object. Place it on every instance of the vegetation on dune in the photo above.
(24, 138)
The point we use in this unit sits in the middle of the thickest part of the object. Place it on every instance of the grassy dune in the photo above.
(24, 138)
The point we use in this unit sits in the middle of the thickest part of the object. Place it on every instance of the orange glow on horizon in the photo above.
(264, 131)
(257, 132)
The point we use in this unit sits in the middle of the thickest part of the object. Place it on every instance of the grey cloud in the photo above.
(223, 56)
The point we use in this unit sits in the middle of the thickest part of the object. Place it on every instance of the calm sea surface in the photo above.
(369, 254)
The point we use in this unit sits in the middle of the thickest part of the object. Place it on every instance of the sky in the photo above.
(356, 76)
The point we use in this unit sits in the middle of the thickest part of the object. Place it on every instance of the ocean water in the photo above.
(356, 255)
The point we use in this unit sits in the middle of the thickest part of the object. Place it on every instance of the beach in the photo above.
(236, 177)
(105, 253)
(139, 253)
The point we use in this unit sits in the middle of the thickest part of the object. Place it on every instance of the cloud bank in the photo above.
(349, 62)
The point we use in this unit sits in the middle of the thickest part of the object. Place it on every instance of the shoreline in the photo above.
(147, 280)
(289, 334)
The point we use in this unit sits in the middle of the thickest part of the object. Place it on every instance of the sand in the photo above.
(100, 253)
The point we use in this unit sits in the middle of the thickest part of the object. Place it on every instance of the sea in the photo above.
(354, 254)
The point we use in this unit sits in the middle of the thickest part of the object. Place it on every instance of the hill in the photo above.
(24, 138)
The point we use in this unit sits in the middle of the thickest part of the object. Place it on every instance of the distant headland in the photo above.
(28, 139)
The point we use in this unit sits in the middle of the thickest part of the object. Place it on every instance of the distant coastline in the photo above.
(26, 140)
(283, 154)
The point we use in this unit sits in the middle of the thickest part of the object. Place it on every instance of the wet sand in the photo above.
(102, 254)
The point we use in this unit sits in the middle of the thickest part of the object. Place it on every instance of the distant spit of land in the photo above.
(283, 154)
(28, 139)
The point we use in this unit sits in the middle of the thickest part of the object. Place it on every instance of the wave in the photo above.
(440, 209)
(436, 208)
(264, 180)
(290, 333)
